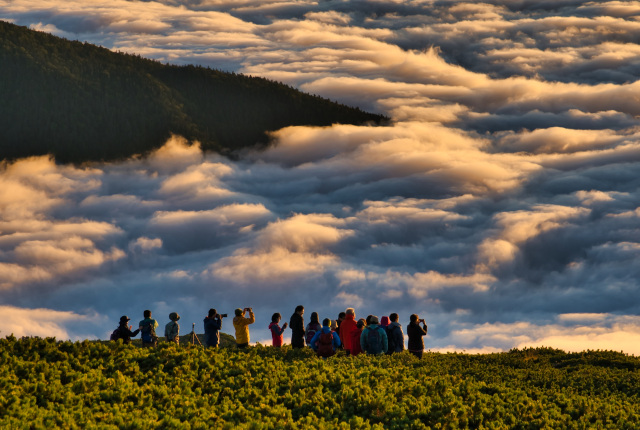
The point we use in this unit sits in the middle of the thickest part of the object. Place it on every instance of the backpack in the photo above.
(115, 335)
(374, 340)
(312, 329)
(148, 333)
(325, 345)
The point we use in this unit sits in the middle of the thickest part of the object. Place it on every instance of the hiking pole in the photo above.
(194, 338)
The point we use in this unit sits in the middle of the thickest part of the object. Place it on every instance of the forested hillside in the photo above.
(81, 102)
(46, 384)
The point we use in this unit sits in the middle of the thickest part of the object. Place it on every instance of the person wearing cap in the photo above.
(172, 329)
(241, 324)
(374, 338)
(326, 341)
(384, 322)
(124, 330)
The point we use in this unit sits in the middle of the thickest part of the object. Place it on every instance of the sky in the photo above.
(501, 204)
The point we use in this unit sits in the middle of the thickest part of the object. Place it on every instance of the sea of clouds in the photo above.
(501, 204)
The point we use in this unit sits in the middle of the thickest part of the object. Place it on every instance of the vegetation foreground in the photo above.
(47, 384)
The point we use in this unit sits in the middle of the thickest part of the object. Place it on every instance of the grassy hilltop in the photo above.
(47, 384)
(82, 102)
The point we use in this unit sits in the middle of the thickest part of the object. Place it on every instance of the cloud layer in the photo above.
(501, 204)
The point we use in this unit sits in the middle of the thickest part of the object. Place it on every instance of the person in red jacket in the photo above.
(355, 337)
(346, 327)
(276, 331)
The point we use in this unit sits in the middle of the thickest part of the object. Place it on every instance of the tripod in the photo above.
(194, 338)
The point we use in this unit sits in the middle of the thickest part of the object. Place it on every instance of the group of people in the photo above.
(147, 327)
(370, 335)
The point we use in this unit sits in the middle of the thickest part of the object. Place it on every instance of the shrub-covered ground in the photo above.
(49, 384)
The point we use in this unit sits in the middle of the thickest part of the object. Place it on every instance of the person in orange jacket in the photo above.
(241, 324)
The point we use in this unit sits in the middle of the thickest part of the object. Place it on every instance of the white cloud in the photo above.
(506, 179)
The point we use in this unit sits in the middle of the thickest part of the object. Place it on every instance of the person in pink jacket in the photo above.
(276, 331)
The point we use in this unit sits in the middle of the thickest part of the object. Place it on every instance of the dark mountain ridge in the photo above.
(80, 102)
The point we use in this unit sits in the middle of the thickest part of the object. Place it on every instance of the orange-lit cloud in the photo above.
(500, 202)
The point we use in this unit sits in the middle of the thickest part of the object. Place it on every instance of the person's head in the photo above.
(351, 311)
(239, 312)
(341, 316)
(147, 313)
(315, 318)
(414, 318)
(300, 309)
(373, 320)
(276, 317)
(173, 316)
(393, 317)
(361, 323)
(368, 320)
(334, 325)
(384, 321)
(326, 322)
(212, 313)
(124, 319)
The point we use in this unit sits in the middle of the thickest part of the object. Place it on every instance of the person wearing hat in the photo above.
(374, 338)
(172, 329)
(124, 331)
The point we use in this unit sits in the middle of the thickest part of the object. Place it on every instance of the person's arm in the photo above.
(385, 341)
(251, 318)
(336, 340)
(363, 339)
(134, 333)
(217, 324)
(313, 344)
(282, 329)
(423, 328)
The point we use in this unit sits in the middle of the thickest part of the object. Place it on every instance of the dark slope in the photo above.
(81, 102)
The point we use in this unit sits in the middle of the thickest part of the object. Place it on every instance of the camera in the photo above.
(247, 309)
(223, 315)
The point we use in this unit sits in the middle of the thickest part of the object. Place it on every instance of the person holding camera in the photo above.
(415, 333)
(212, 327)
(241, 324)
(276, 331)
